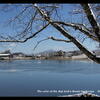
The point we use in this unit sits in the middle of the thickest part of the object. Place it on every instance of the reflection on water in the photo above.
(58, 66)
(25, 77)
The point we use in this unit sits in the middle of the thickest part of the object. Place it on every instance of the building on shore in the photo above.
(5, 56)
(10, 56)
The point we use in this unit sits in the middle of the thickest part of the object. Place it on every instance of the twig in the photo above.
(52, 38)
(22, 41)
(80, 27)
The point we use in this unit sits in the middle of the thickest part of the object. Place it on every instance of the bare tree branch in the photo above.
(36, 33)
(88, 53)
(80, 27)
(39, 43)
(52, 38)
(43, 14)
(22, 41)
(29, 26)
(17, 16)
(92, 19)
(61, 40)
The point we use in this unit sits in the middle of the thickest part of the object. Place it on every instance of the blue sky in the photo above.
(28, 46)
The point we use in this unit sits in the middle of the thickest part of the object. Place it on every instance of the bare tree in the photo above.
(41, 14)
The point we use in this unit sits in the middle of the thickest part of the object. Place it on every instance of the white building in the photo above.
(4, 55)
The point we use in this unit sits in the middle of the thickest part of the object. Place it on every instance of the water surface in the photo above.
(48, 77)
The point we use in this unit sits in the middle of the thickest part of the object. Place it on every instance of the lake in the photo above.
(48, 77)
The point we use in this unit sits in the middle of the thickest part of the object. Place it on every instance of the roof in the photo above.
(4, 55)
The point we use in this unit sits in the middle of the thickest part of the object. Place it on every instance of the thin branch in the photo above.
(29, 25)
(39, 43)
(61, 40)
(11, 41)
(22, 41)
(36, 33)
(80, 27)
(70, 37)
(92, 19)
(17, 16)
(50, 6)
(52, 38)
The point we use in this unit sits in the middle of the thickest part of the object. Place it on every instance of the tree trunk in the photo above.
(88, 53)
(92, 19)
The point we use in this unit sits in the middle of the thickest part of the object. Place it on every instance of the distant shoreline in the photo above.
(47, 55)
(50, 58)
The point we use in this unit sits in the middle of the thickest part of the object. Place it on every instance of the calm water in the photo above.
(48, 77)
